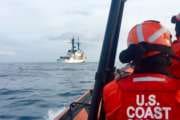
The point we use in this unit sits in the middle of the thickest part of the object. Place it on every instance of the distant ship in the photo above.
(74, 55)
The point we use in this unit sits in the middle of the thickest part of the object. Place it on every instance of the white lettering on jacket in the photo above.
(150, 109)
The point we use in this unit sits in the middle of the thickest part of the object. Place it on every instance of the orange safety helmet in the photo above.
(151, 32)
(147, 39)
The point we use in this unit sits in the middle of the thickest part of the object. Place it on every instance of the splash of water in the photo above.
(52, 113)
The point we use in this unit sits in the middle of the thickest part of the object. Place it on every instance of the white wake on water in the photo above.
(52, 113)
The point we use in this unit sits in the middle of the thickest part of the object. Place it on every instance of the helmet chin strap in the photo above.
(135, 52)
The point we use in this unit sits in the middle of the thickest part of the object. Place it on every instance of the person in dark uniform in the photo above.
(176, 20)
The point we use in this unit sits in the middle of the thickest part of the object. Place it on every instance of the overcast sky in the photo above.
(40, 30)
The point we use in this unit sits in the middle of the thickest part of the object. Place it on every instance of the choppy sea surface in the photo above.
(39, 91)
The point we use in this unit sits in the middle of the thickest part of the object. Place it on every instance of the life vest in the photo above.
(175, 67)
(142, 97)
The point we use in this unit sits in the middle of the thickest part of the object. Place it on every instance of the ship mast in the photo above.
(73, 47)
(78, 44)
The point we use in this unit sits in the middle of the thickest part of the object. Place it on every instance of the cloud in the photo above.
(64, 36)
(7, 53)
(80, 12)
(39, 29)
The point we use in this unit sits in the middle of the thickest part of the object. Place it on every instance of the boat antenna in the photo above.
(78, 44)
(73, 47)
(107, 59)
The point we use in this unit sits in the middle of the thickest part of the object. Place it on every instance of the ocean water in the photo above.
(39, 91)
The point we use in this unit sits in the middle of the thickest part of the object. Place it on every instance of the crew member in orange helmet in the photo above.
(150, 92)
(175, 67)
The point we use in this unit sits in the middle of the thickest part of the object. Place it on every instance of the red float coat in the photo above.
(142, 97)
(175, 67)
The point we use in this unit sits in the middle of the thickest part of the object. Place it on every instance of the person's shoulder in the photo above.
(176, 47)
(111, 86)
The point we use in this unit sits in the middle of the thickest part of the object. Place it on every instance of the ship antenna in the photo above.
(73, 45)
(78, 44)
